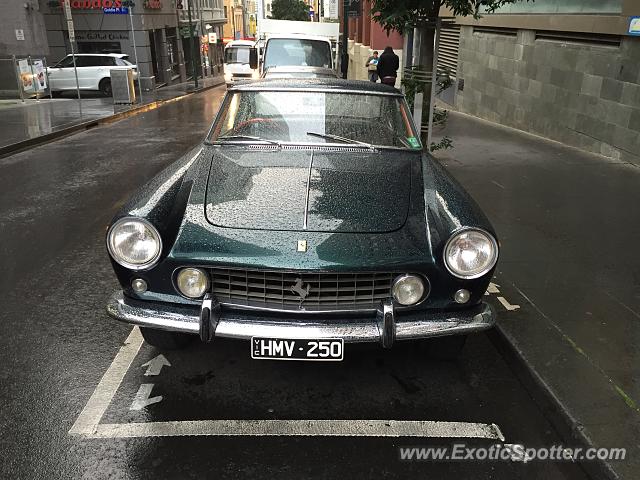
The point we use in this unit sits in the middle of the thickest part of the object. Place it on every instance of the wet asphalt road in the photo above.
(56, 342)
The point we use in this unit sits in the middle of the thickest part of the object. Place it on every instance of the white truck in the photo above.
(290, 43)
(236, 61)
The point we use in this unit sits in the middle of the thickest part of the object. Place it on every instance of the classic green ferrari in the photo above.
(308, 218)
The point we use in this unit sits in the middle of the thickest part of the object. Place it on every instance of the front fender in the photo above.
(163, 200)
(450, 208)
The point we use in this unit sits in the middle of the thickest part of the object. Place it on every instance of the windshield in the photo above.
(315, 118)
(300, 52)
(236, 55)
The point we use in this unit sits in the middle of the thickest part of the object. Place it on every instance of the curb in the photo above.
(17, 147)
(569, 429)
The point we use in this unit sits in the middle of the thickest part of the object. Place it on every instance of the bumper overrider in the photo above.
(384, 325)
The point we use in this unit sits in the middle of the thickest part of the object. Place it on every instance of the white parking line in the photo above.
(89, 418)
(330, 428)
(88, 422)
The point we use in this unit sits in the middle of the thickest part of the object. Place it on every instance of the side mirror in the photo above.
(253, 58)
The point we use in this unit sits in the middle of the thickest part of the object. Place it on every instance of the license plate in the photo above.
(326, 350)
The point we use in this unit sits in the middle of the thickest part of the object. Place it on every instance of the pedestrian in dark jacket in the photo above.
(388, 65)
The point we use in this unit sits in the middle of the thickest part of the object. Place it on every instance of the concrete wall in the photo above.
(26, 16)
(587, 96)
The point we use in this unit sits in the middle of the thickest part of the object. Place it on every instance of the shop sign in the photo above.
(152, 4)
(634, 26)
(40, 75)
(330, 9)
(26, 75)
(95, 4)
(101, 36)
(185, 32)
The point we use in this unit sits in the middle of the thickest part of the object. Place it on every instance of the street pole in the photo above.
(72, 39)
(200, 34)
(135, 50)
(344, 60)
(233, 21)
(434, 83)
(191, 46)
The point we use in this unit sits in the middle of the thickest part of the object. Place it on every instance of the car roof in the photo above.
(299, 68)
(240, 43)
(298, 36)
(115, 55)
(317, 84)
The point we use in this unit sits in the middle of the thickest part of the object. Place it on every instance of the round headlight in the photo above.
(470, 254)
(134, 243)
(192, 282)
(408, 289)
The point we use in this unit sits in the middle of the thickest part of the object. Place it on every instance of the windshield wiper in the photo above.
(246, 137)
(340, 139)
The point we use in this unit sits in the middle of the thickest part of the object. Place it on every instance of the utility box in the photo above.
(122, 86)
(148, 84)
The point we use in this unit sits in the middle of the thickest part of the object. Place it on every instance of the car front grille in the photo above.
(280, 288)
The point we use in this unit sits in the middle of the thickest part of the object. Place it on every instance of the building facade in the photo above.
(242, 17)
(365, 36)
(160, 28)
(564, 69)
(23, 32)
(208, 19)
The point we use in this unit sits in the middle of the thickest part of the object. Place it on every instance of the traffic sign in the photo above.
(72, 32)
(67, 10)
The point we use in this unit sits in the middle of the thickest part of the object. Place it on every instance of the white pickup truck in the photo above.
(288, 43)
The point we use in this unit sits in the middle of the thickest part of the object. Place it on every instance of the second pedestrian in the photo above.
(372, 67)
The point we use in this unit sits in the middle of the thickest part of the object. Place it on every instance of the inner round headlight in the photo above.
(470, 254)
(134, 243)
(192, 282)
(408, 289)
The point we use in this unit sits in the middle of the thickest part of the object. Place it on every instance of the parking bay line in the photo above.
(88, 422)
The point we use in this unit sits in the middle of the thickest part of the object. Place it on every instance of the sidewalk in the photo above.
(569, 227)
(23, 122)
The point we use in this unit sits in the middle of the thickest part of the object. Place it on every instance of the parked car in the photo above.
(299, 72)
(94, 72)
(236, 62)
(310, 216)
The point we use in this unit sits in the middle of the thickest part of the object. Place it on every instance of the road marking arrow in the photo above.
(142, 399)
(492, 288)
(154, 366)
(507, 305)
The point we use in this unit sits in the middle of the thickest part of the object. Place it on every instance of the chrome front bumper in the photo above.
(384, 327)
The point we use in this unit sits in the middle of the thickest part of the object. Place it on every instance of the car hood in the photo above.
(345, 190)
